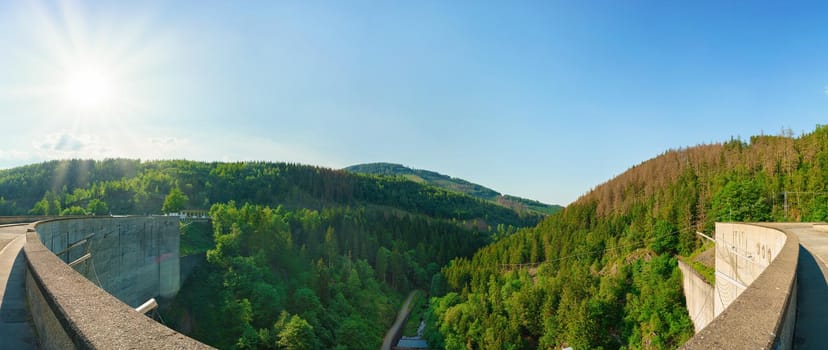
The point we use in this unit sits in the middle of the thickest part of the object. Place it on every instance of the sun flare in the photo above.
(88, 88)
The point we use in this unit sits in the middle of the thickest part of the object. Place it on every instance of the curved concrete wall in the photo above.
(70, 311)
(755, 292)
(132, 258)
(698, 295)
(743, 252)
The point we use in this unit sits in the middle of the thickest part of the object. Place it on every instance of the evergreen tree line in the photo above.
(602, 274)
(308, 279)
(300, 257)
(124, 186)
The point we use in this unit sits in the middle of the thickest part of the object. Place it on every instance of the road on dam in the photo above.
(812, 298)
(16, 330)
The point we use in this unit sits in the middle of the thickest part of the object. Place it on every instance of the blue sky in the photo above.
(538, 99)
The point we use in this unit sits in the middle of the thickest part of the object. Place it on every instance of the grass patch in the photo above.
(410, 328)
(707, 272)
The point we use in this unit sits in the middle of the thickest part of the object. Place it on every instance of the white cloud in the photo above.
(68, 145)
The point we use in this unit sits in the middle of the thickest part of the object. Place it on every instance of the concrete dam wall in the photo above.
(131, 258)
(753, 304)
(742, 254)
(698, 295)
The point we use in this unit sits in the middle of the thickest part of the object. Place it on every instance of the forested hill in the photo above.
(602, 273)
(299, 257)
(456, 185)
(125, 186)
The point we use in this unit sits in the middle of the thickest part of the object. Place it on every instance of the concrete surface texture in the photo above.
(742, 254)
(16, 330)
(69, 311)
(132, 258)
(810, 332)
(758, 264)
(5, 220)
(698, 295)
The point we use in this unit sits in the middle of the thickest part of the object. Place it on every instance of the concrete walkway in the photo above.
(812, 296)
(16, 331)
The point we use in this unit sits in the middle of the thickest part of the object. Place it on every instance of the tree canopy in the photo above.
(305, 257)
(602, 274)
(175, 201)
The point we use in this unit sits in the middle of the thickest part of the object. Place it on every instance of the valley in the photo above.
(298, 256)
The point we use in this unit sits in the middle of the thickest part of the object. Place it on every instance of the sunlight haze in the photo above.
(540, 99)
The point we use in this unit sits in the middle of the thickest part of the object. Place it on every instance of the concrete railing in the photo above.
(4, 220)
(69, 311)
(755, 292)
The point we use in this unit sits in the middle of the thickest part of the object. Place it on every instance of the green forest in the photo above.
(125, 186)
(297, 257)
(456, 185)
(602, 274)
(303, 257)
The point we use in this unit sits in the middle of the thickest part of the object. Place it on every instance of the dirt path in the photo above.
(401, 315)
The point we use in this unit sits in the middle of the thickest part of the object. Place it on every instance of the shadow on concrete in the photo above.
(16, 330)
(812, 308)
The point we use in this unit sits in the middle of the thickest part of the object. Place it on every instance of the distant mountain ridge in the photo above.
(455, 184)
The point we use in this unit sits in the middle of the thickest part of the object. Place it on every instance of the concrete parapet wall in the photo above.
(132, 258)
(699, 296)
(755, 293)
(742, 254)
(69, 311)
(21, 219)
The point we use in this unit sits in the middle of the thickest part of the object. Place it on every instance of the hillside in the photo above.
(309, 257)
(456, 185)
(299, 256)
(126, 186)
(602, 273)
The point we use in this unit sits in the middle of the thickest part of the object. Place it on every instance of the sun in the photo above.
(88, 87)
(96, 69)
